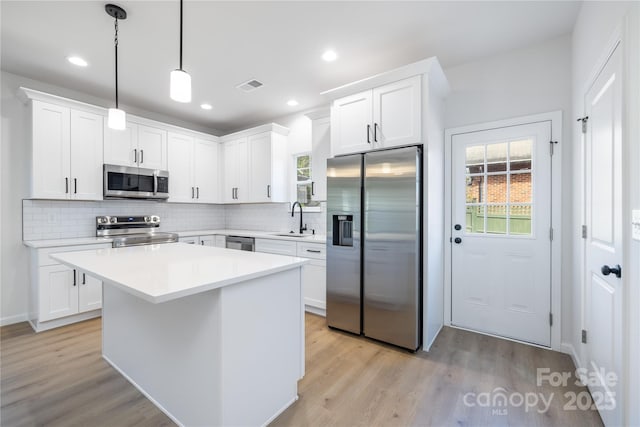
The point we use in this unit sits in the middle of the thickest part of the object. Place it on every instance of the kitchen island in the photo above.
(211, 336)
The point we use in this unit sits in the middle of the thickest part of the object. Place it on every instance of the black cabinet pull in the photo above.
(192, 193)
(197, 192)
(75, 185)
(84, 279)
(66, 185)
(315, 251)
(141, 156)
(74, 277)
(313, 191)
(617, 270)
(369, 134)
(269, 191)
(135, 155)
(375, 132)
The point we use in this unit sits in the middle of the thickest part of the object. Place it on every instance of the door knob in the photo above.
(457, 227)
(457, 240)
(617, 270)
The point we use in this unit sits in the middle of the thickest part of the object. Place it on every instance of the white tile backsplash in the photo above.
(60, 219)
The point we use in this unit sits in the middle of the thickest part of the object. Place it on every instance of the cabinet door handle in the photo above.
(192, 193)
(197, 192)
(233, 193)
(66, 185)
(75, 185)
(269, 191)
(74, 277)
(84, 279)
(369, 134)
(135, 155)
(315, 251)
(313, 191)
(141, 156)
(202, 242)
(375, 132)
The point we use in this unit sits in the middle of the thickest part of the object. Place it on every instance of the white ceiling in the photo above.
(278, 43)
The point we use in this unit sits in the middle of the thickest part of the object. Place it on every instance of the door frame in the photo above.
(555, 118)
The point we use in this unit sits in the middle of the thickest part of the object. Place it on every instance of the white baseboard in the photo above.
(428, 345)
(315, 310)
(10, 320)
(569, 349)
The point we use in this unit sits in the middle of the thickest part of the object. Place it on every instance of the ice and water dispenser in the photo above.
(342, 230)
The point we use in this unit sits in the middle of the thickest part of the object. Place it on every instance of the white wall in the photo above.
(593, 33)
(519, 83)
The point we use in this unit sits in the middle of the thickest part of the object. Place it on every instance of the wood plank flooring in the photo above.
(58, 378)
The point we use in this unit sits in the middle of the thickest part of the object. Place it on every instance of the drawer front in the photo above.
(312, 250)
(279, 247)
(45, 259)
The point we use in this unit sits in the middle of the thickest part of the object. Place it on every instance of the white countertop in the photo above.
(312, 238)
(159, 273)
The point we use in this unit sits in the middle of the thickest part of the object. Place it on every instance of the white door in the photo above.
(121, 146)
(181, 188)
(603, 202)
(89, 293)
(260, 168)
(206, 171)
(501, 218)
(86, 156)
(58, 292)
(152, 148)
(51, 148)
(397, 118)
(351, 126)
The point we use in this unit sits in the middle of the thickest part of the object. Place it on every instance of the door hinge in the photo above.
(550, 319)
(584, 123)
(584, 231)
(551, 234)
(551, 145)
(584, 336)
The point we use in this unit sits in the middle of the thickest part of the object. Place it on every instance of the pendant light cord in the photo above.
(181, 34)
(115, 42)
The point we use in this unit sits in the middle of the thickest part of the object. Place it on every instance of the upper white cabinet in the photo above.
(255, 165)
(320, 152)
(193, 169)
(137, 146)
(386, 116)
(67, 153)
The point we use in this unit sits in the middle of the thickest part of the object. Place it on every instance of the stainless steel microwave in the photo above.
(123, 182)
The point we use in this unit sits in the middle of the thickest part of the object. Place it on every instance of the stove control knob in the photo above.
(113, 220)
(147, 219)
(155, 218)
(100, 220)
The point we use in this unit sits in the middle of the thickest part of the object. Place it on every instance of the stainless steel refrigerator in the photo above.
(374, 245)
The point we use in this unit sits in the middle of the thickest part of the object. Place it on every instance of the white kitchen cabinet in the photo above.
(205, 240)
(193, 169)
(386, 116)
(220, 241)
(59, 295)
(67, 153)
(314, 276)
(236, 170)
(256, 165)
(191, 240)
(320, 152)
(273, 246)
(137, 146)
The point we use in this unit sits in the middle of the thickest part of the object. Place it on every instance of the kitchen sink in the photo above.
(292, 235)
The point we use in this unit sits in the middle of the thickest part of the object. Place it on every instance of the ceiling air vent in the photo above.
(250, 85)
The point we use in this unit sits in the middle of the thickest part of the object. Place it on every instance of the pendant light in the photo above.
(180, 87)
(117, 117)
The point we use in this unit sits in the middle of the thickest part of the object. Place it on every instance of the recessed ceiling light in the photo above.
(292, 103)
(76, 60)
(206, 106)
(330, 56)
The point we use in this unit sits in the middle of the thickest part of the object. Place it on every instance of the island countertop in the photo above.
(159, 273)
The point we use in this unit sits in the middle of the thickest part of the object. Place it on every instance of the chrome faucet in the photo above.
(293, 208)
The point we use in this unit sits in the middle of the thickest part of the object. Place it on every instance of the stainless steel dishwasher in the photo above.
(241, 243)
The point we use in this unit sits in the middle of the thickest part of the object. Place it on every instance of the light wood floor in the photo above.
(58, 378)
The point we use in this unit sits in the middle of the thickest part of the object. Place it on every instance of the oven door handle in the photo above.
(155, 183)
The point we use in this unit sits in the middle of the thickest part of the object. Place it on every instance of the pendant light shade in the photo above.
(117, 118)
(180, 84)
(180, 89)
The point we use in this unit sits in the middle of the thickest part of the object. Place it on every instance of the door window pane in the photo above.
(497, 219)
(520, 188)
(475, 219)
(475, 189)
(520, 154)
(497, 157)
(475, 159)
(520, 219)
(497, 188)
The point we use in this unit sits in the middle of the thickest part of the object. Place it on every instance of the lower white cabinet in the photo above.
(199, 240)
(314, 274)
(60, 295)
(220, 241)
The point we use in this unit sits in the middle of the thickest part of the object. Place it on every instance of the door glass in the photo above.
(499, 187)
